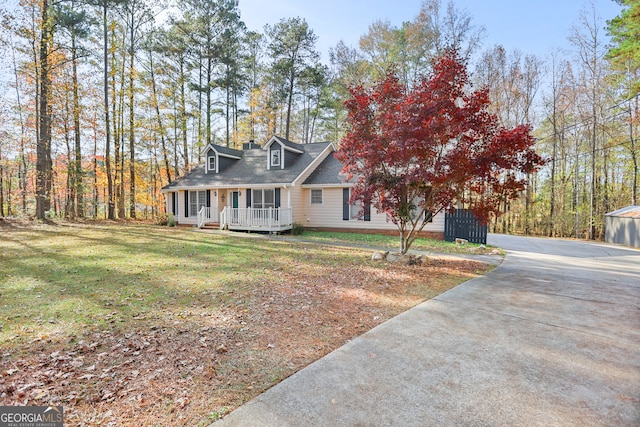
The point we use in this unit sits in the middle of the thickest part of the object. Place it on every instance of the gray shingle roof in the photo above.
(327, 173)
(290, 144)
(228, 151)
(251, 169)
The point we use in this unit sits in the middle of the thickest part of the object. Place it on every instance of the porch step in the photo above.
(211, 226)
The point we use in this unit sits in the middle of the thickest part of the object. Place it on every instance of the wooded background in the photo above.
(109, 100)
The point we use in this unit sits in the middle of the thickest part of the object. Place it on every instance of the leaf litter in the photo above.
(190, 366)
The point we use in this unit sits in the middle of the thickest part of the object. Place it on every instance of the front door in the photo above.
(235, 197)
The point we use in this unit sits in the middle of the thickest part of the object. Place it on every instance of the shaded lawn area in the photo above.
(139, 324)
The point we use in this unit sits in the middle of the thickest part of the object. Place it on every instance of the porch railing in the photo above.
(206, 215)
(264, 218)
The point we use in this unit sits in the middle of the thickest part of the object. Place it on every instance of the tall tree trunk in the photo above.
(183, 119)
(110, 202)
(78, 173)
(95, 168)
(592, 223)
(22, 166)
(1, 186)
(228, 109)
(43, 148)
(121, 134)
(552, 201)
(69, 207)
(8, 193)
(289, 105)
(209, 109)
(132, 148)
(156, 106)
(116, 119)
(176, 152)
(634, 154)
(69, 193)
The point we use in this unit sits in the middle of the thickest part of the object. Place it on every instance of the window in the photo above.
(275, 157)
(355, 211)
(263, 198)
(316, 197)
(197, 200)
(211, 161)
(428, 216)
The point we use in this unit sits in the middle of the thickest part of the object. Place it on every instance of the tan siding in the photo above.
(297, 204)
(329, 214)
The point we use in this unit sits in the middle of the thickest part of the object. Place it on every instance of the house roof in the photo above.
(327, 173)
(628, 212)
(251, 169)
(288, 145)
(225, 151)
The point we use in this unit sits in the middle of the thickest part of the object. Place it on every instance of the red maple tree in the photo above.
(420, 151)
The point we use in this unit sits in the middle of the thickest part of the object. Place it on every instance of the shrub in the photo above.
(297, 229)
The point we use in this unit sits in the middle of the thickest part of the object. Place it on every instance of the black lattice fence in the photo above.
(462, 224)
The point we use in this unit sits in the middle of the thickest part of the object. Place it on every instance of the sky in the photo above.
(532, 26)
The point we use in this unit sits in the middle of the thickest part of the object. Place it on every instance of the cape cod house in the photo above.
(271, 187)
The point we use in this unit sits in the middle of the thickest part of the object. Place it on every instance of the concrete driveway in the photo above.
(549, 338)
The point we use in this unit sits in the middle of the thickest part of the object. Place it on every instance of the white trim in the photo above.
(229, 156)
(282, 144)
(227, 187)
(314, 186)
(210, 146)
(270, 164)
(311, 202)
(207, 163)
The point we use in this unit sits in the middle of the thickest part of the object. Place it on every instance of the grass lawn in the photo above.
(392, 242)
(133, 324)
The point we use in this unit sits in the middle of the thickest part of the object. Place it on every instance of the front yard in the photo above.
(132, 324)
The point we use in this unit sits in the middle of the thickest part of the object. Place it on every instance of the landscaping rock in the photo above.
(404, 259)
(379, 256)
(461, 242)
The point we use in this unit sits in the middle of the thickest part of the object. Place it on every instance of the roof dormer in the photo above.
(218, 158)
(281, 153)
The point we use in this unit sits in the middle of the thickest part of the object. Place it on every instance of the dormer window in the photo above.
(211, 163)
(275, 158)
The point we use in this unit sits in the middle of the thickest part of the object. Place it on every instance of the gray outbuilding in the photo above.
(623, 226)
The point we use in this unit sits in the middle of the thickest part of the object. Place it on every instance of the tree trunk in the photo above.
(228, 107)
(1, 186)
(161, 130)
(110, 202)
(78, 173)
(95, 169)
(634, 154)
(289, 105)
(132, 147)
(118, 194)
(183, 119)
(43, 148)
(208, 100)
(22, 166)
(69, 207)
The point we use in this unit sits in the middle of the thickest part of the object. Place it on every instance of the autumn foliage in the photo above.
(423, 150)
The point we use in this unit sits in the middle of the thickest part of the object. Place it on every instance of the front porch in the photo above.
(249, 219)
